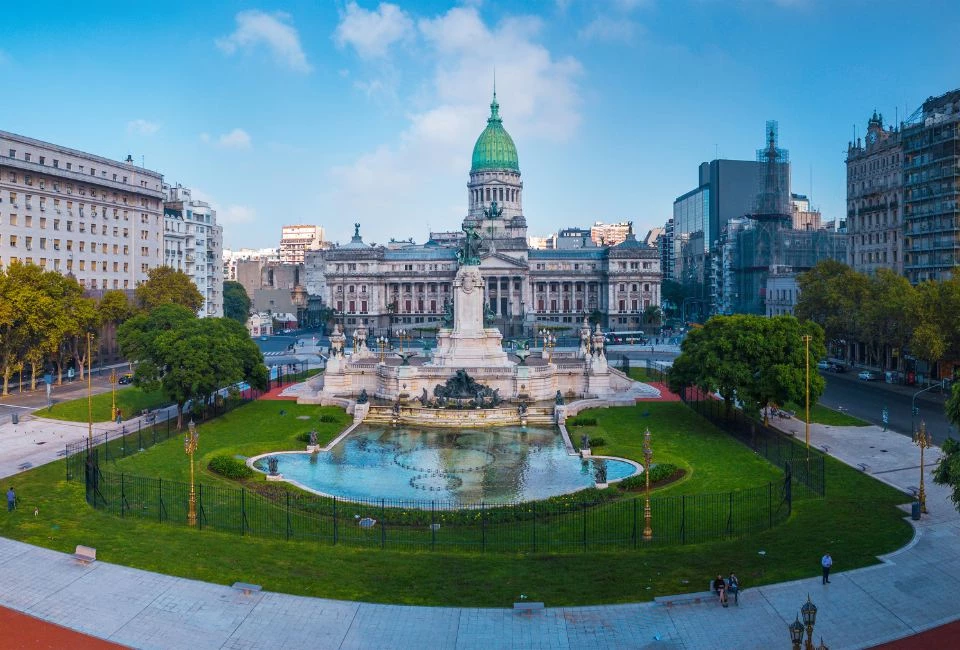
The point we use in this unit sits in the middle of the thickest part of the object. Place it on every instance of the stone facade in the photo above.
(385, 288)
(193, 243)
(875, 200)
(76, 213)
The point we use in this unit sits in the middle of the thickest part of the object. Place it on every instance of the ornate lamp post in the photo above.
(544, 333)
(382, 342)
(550, 343)
(806, 340)
(796, 633)
(922, 439)
(647, 461)
(809, 614)
(113, 396)
(401, 334)
(190, 441)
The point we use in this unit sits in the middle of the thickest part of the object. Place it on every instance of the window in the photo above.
(56, 163)
(26, 157)
(69, 166)
(13, 153)
(28, 221)
(13, 238)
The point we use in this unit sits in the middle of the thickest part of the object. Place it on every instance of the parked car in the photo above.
(823, 365)
(836, 367)
(125, 379)
(867, 375)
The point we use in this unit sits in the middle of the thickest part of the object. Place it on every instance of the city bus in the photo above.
(626, 338)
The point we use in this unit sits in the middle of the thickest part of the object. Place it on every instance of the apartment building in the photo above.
(295, 240)
(193, 243)
(78, 213)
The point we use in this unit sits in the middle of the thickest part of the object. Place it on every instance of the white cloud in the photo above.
(606, 30)
(234, 214)
(427, 165)
(142, 127)
(275, 31)
(236, 139)
(371, 33)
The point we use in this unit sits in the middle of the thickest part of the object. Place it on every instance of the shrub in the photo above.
(229, 467)
(326, 417)
(582, 422)
(304, 437)
(597, 441)
(659, 472)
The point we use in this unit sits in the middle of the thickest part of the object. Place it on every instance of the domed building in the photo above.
(406, 285)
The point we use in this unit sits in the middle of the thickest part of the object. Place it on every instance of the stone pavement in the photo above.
(912, 590)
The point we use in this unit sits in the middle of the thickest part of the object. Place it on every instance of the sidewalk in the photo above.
(912, 590)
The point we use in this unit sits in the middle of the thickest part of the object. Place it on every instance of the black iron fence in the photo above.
(562, 524)
(133, 437)
(780, 449)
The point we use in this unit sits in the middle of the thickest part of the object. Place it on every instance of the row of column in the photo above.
(483, 195)
(495, 293)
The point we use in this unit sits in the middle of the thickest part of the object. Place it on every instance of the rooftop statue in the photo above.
(493, 212)
(469, 255)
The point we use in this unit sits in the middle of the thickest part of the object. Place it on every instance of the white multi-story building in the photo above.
(296, 240)
(76, 213)
(231, 257)
(193, 243)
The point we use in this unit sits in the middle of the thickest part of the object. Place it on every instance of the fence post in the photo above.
(770, 504)
(123, 498)
(683, 518)
(730, 515)
(534, 506)
(334, 521)
(200, 506)
(634, 522)
(139, 438)
(483, 527)
(433, 525)
(160, 500)
(383, 524)
(288, 516)
(584, 504)
(243, 512)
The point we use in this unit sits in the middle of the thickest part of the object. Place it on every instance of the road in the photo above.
(26, 402)
(866, 399)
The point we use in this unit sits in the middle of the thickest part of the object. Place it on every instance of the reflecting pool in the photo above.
(466, 466)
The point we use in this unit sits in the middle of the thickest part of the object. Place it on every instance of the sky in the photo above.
(330, 112)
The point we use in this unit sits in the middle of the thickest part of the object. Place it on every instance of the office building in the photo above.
(296, 240)
(193, 243)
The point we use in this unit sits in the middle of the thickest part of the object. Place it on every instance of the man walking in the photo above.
(11, 499)
(826, 562)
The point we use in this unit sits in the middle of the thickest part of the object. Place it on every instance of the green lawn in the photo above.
(131, 401)
(823, 415)
(856, 521)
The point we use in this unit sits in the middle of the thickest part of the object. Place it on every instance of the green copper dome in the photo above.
(494, 148)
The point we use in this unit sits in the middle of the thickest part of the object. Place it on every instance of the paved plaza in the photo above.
(912, 590)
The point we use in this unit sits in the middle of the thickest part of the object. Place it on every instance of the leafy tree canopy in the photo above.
(751, 359)
(165, 285)
(236, 302)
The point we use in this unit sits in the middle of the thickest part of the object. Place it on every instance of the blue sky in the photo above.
(335, 112)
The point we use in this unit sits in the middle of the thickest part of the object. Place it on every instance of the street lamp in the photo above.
(190, 441)
(923, 440)
(401, 334)
(809, 614)
(544, 333)
(806, 340)
(550, 342)
(796, 633)
(113, 391)
(914, 411)
(89, 395)
(647, 461)
(382, 342)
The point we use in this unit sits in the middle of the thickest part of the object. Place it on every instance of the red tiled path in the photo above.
(665, 394)
(274, 394)
(939, 638)
(21, 632)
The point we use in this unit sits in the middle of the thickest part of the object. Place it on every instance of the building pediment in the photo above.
(501, 262)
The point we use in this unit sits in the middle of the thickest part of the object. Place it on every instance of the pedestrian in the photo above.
(11, 499)
(826, 562)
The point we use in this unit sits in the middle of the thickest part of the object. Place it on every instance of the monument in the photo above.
(470, 354)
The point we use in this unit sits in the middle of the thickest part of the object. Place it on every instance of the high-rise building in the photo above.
(193, 243)
(77, 213)
(805, 217)
(610, 234)
(931, 189)
(296, 240)
(875, 199)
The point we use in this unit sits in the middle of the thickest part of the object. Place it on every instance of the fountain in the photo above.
(472, 355)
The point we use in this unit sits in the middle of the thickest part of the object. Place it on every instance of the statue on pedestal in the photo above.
(469, 254)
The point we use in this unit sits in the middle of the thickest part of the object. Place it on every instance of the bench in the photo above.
(246, 587)
(85, 554)
(863, 467)
(527, 607)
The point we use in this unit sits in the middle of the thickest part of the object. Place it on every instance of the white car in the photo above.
(822, 364)
(867, 375)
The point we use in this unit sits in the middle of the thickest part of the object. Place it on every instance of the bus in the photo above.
(626, 338)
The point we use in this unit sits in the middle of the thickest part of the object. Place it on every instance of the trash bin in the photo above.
(15, 418)
(915, 511)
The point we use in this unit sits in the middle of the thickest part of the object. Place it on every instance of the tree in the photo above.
(190, 358)
(947, 471)
(165, 285)
(236, 302)
(752, 360)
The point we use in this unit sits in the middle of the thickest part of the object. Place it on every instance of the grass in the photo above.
(824, 415)
(856, 521)
(131, 401)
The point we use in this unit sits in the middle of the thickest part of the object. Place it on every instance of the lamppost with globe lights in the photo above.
(190, 441)
(382, 343)
(647, 462)
(550, 343)
(808, 614)
(401, 334)
(544, 333)
(922, 439)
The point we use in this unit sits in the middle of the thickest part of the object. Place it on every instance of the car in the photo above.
(823, 365)
(837, 368)
(867, 375)
(125, 379)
